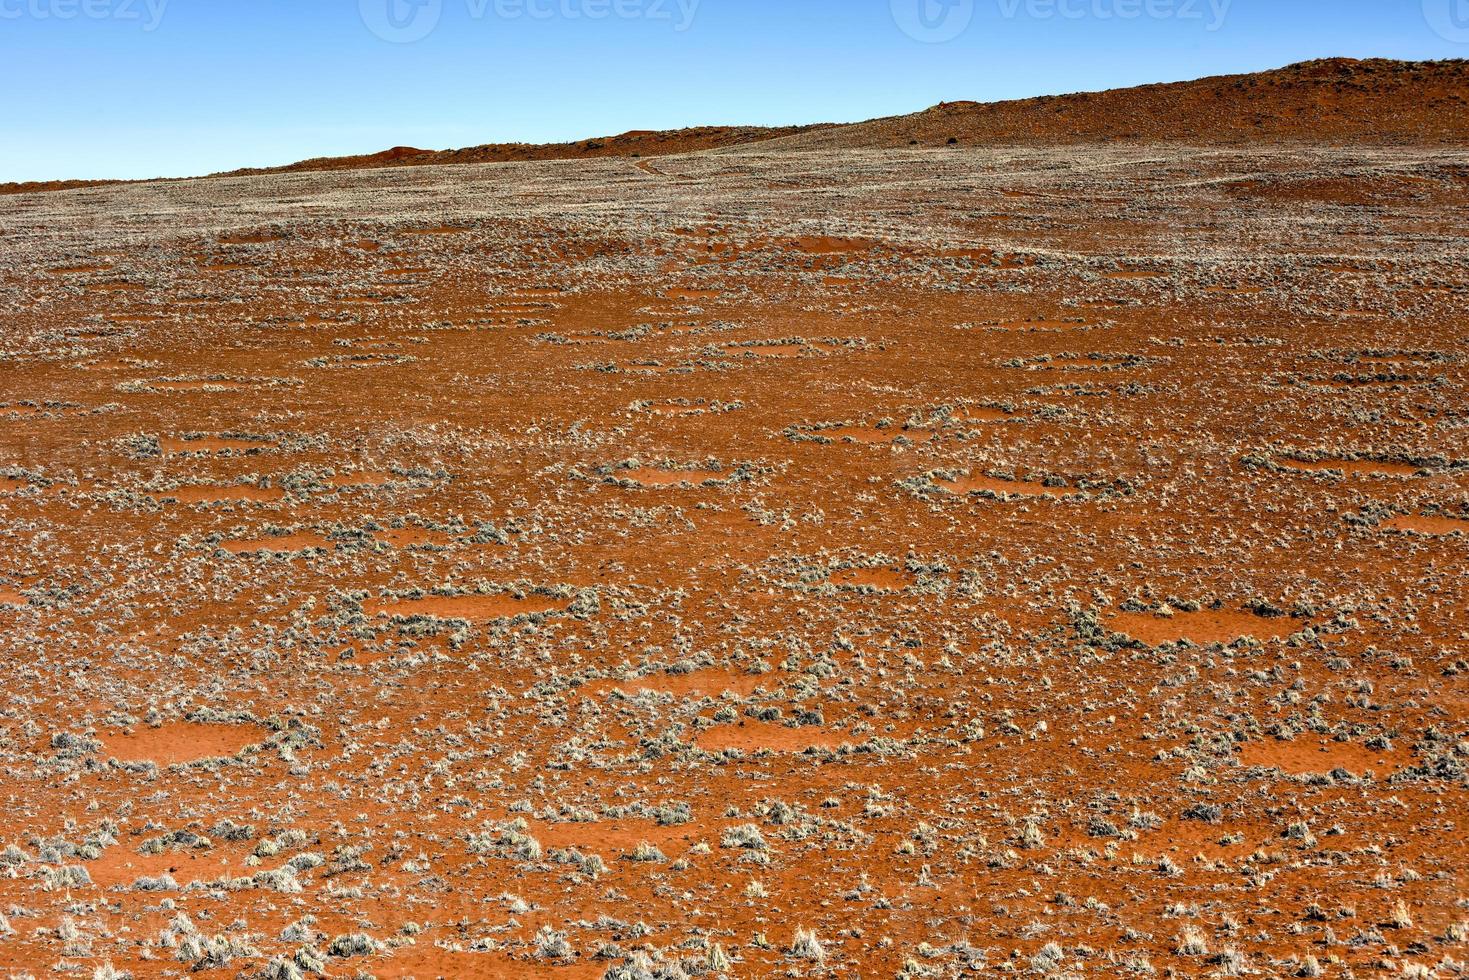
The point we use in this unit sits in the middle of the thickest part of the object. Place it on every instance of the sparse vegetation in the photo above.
(894, 563)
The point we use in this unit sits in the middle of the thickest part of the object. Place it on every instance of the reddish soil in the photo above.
(862, 434)
(647, 476)
(282, 544)
(179, 742)
(979, 483)
(1202, 626)
(1428, 524)
(1350, 467)
(210, 444)
(221, 494)
(881, 579)
(1306, 755)
(607, 598)
(477, 608)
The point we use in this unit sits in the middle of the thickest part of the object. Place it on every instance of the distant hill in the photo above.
(38, 186)
(1335, 100)
(638, 143)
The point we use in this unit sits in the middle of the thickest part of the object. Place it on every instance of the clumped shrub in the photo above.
(807, 946)
(162, 883)
(1204, 812)
(552, 944)
(648, 854)
(353, 944)
(1048, 958)
(746, 836)
(1191, 942)
(283, 969)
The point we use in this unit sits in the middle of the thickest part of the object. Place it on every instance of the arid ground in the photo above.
(908, 562)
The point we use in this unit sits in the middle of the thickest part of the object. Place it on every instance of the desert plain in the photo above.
(778, 560)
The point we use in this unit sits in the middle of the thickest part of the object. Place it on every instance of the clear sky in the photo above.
(142, 88)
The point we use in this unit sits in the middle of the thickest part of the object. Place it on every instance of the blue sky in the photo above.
(141, 88)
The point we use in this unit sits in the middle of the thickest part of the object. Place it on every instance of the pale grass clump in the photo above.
(1192, 942)
(807, 946)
